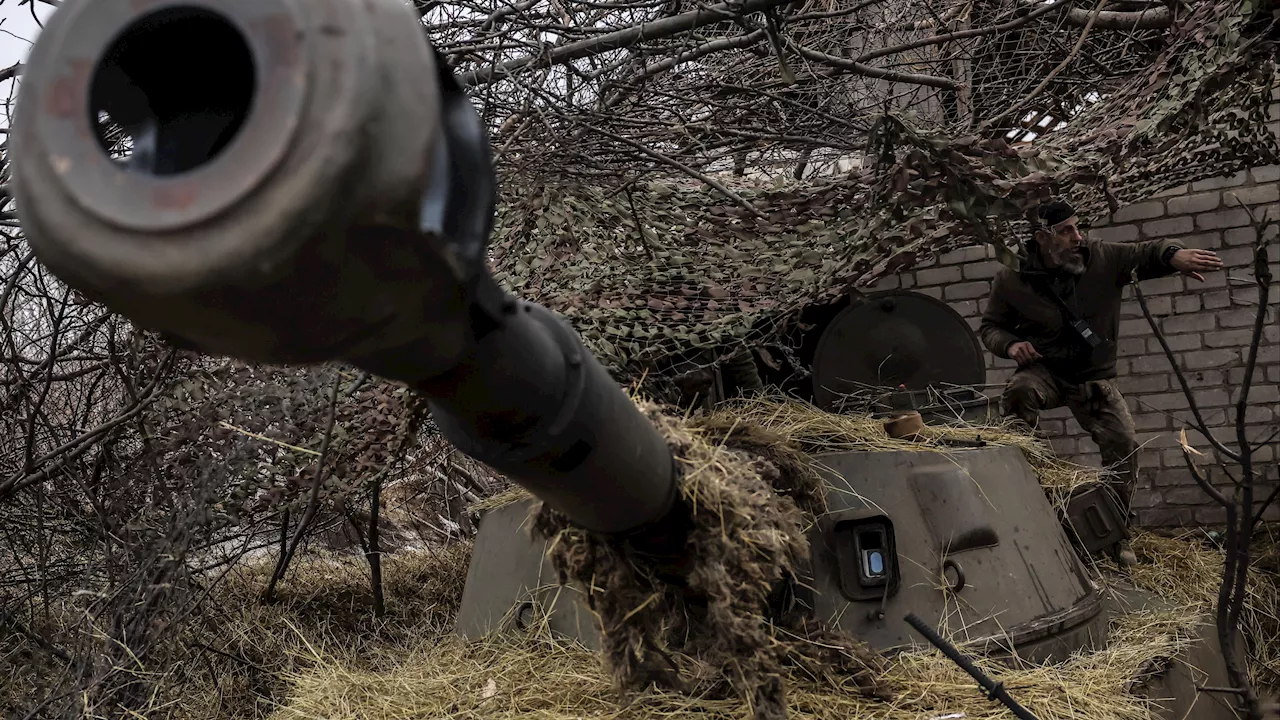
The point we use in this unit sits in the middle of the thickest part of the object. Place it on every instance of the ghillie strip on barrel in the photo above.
(713, 629)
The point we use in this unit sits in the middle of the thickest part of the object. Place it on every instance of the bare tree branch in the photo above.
(82, 443)
(1241, 514)
(965, 34)
(1153, 18)
(12, 71)
(313, 500)
(874, 72)
(719, 186)
(620, 39)
(1200, 424)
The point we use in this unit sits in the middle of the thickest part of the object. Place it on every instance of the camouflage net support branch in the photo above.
(659, 269)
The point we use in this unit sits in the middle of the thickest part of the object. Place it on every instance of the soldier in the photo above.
(1058, 318)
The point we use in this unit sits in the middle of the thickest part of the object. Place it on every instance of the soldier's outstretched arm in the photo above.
(1157, 258)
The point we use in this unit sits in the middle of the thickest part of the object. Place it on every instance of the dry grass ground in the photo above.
(435, 674)
(816, 432)
(319, 653)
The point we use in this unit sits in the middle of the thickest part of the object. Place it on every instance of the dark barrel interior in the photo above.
(172, 90)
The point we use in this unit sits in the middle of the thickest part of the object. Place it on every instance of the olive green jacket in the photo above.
(1016, 311)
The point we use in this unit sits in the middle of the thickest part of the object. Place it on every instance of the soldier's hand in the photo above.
(1194, 262)
(1024, 353)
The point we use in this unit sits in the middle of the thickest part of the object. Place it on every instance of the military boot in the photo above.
(1123, 486)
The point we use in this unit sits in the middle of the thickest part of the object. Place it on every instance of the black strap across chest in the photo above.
(1041, 285)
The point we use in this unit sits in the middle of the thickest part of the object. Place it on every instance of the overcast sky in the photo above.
(18, 30)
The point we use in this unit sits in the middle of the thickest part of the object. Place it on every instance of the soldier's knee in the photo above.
(1116, 437)
(1021, 397)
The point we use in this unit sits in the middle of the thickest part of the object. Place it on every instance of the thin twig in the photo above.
(313, 501)
(1200, 425)
(1084, 34)
(853, 66)
(374, 553)
(683, 168)
(1257, 518)
(1203, 481)
(242, 431)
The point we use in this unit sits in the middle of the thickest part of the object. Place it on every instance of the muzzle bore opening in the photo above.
(172, 90)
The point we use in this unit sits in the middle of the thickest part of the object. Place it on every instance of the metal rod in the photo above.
(995, 690)
(1226, 690)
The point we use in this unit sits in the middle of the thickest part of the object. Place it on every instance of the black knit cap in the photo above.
(1054, 212)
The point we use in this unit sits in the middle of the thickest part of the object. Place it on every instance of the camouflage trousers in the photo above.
(1099, 408)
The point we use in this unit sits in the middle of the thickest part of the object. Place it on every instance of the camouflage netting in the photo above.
(650, 270)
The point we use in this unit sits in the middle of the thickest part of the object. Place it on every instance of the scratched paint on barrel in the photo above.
(67, 95)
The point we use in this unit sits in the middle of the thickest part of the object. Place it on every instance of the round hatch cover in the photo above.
(891, 338)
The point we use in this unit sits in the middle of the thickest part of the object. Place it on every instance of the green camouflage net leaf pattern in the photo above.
(697, 272)
(648, 273)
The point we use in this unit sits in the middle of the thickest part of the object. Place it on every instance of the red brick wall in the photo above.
(1206, 324)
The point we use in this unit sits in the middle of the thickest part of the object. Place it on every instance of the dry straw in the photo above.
(813, 431)
(533, 675)
(1187, 570)
(706, 628)
(320, 655)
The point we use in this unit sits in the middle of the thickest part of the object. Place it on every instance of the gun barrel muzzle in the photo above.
(199, 164)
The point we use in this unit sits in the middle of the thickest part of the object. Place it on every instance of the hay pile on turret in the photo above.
(709, 631)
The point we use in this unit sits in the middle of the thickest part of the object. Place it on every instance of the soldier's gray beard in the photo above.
(1071, 261)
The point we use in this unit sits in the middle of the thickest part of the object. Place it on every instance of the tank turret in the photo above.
(964, 538)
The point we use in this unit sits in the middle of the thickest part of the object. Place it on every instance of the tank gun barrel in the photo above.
(301, 181)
